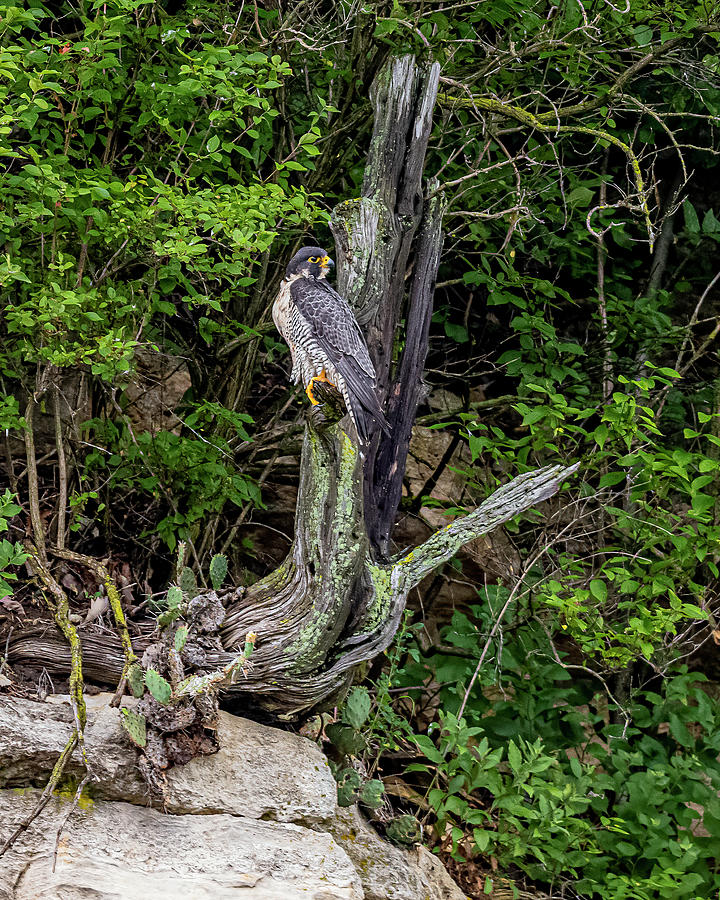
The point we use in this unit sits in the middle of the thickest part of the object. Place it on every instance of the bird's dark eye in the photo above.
(312, 259)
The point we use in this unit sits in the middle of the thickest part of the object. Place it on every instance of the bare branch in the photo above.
(520, 494)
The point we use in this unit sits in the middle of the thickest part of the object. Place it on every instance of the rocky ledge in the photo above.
(258, 820)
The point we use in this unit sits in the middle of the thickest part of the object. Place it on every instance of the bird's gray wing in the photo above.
(332, 323)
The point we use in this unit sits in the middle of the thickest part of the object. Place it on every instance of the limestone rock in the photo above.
(259, 772)
(115, 851)
(389, 872)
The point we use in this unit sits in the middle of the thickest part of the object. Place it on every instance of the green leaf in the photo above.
(580, 196)
(643, 35)
(457, 333)
(609, 479)
(710, 224)
(692, 222)
(426, 746)
(514, 757)
(482, 839)
(601, 434)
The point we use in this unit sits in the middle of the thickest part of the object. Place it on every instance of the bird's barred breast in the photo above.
(281, 312)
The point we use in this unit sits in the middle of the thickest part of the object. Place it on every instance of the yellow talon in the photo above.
(308, 390)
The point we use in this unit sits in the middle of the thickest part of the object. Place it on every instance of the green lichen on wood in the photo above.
(332, 485)
(307, 648)
(383, 598)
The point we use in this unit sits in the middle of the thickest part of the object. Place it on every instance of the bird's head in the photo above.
(311, 262)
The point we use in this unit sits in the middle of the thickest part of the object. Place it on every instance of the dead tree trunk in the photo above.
(337, 599)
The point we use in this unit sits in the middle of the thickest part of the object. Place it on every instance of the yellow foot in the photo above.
(309, 389)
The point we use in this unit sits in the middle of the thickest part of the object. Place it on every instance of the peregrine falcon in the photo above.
(325, 339)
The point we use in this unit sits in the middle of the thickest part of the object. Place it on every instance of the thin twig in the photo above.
(32, 477)
(115, 604)
(62, 471)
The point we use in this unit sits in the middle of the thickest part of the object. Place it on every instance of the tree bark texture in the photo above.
(337, 599)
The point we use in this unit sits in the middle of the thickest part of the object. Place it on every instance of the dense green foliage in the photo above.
(162, 160)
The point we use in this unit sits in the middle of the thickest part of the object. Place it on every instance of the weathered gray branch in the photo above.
(374, 234)
(386, 462)
(522, 493)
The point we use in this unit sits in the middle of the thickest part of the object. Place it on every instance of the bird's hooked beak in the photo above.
(327, 263)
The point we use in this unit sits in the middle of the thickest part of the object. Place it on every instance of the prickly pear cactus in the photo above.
(176, 670)
(174, 596)
(158, 686)
(356, 708)
(135, 726)
(250, 639)
(181, 636)
(136, 680)
(174, 602)
(372, 793)
(218, 570)
(188, 583)
(348, 786)
(179, 709)
(181, 548)
(404, 830)
(169, 616)
(348, 740)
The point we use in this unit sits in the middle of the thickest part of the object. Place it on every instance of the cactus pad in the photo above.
(250, 639)
(134, 724)
(174, 597)
(348, 741)
(188, 582)
(136, 680)
(218, 570)
(181, 548)
(357, 708)
(158, 686)
(348, 785)
(168, 617)
(372, 793)
(181, 636)
(404, 830)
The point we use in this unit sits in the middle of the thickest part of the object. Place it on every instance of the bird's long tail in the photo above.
(366, 415)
